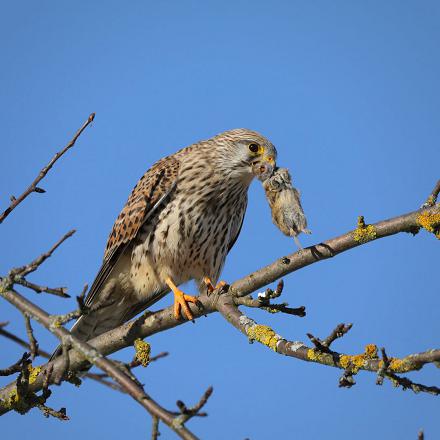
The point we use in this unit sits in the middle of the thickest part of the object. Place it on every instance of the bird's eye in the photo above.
(254, 148)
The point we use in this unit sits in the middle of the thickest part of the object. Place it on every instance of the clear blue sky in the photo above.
(349, 93)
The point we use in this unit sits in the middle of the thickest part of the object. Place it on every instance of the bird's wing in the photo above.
(148, 195)
(239, 225)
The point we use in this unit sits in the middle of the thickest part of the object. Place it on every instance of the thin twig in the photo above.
(33, 344)
(15, 201)
(57, 291)
(187, 413)
(432, 199)
(324, 345)
(155, 429)
(338, 332)
(15, 368)
(21, 342)
(248, 301)
(35, 264)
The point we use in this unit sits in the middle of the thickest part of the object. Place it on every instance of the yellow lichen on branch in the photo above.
(371, 351)
(358, 361)
(33, 373)
(364, 232)
(15, 402)
(430, 221)
(263, 334)
(143, 350)
(400, 365)
(315, 355)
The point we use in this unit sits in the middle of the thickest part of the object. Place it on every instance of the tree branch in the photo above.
(88, 354)
(432, 199)
(369, 360)
(151, 323)
(33, 186)
(410, 222)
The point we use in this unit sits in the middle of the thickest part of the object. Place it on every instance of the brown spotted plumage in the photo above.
(178, 224)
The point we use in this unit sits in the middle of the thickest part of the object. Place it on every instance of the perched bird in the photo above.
(179, 223)
(285, 204)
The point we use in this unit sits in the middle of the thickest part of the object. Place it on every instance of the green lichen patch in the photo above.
(143, 350)
(364, 233)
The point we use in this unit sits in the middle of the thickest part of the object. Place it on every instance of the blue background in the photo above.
(349, 93)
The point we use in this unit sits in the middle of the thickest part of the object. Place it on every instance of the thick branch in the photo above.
(151, 323)
(96, 358)
(327, 249)
(368, 360)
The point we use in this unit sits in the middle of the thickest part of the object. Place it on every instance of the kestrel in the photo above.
(179, 223)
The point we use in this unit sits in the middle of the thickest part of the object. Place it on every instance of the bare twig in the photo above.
(47, 411)
(46, 393)
(248, 301)
(15, 201)
(15, 368)
(187, 413)
(155, 429)
(338, 332)
(432, 199)
(263, 302)
(324, 345)
(21, 272)
(33, 344)
(22, 342)
(57, 291)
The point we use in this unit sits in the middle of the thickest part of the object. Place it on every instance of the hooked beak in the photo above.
(263, 168)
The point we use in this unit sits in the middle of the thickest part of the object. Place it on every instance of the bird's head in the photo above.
(247, 153)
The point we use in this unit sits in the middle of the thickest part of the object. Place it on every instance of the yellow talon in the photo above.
(181, 300)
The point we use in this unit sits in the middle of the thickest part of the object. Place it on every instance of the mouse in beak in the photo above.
(285, 204)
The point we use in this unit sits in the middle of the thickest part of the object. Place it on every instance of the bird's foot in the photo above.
(211, 287)
(181, 301)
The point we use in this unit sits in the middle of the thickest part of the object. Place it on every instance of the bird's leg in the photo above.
(181, 300)
(210, 286)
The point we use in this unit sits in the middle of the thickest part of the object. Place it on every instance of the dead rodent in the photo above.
(284, 201)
